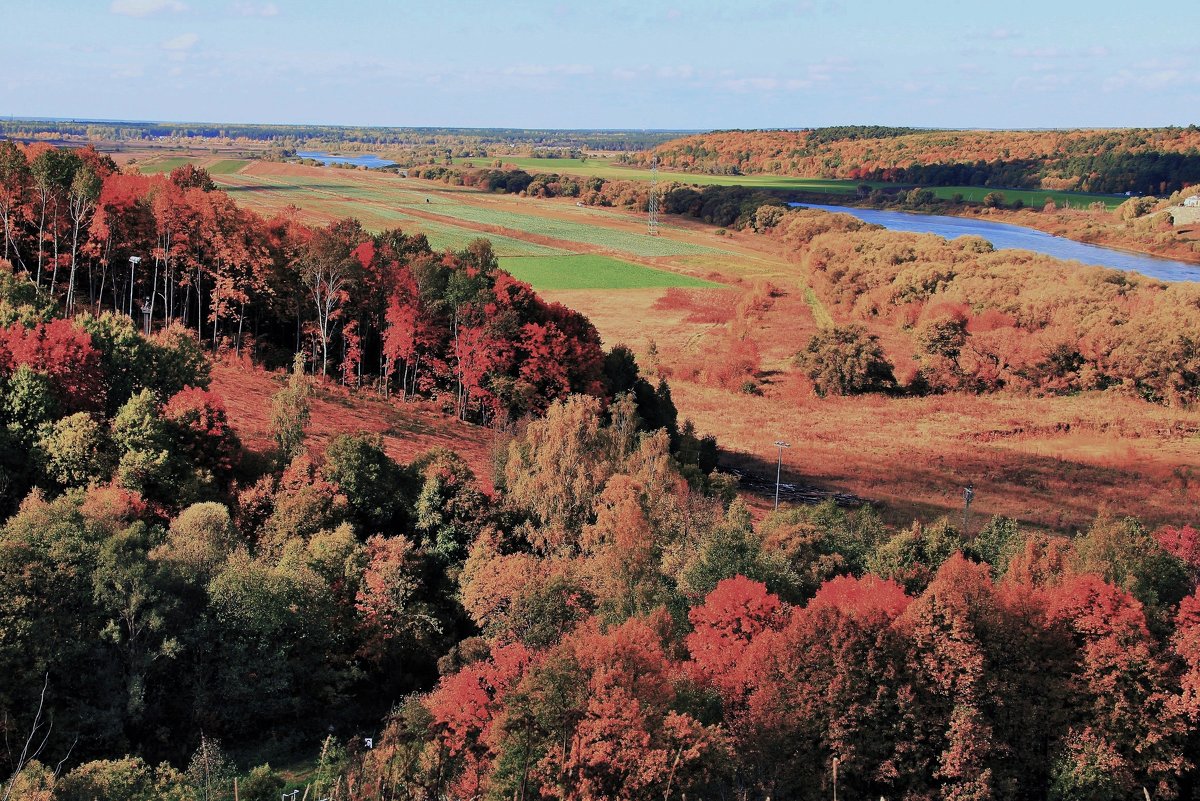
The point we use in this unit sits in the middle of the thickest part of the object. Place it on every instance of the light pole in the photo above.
(835, 764)
(968, 496)
(780, 444)
(133, 262)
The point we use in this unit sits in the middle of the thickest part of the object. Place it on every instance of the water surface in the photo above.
(1004, 235)
(363, 160)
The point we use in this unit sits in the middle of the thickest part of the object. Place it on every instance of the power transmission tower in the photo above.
(652, 220)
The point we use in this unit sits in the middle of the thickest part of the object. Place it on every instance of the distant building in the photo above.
(1192, 202)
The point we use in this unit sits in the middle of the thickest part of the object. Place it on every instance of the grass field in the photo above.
(381, 201)
(638, 244)
(215, 167)
(225, 166)
(602, 168)
(161, 165)
(373, 206)
(594, 272)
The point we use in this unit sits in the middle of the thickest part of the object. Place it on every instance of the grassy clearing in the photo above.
(161, 165)
(1035, 198)
(638, 244)
(594, 272)
(377, 203)
(226, 166)
(370, 205)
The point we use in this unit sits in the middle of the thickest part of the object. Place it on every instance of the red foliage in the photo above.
(732, 615)
(65, 354)
(1182, 543)
(112, 507)
(1126, 698)
(1186, 645)
(465, 708)
(869, 599)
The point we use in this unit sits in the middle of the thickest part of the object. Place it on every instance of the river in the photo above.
(365, 160)
(1003, 235)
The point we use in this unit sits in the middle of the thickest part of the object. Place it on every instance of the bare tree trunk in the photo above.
(241, 321)
(54, 274)
(28, 755)
(41, 242)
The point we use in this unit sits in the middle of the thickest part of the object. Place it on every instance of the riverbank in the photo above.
(1005, 236)
(1149, 235)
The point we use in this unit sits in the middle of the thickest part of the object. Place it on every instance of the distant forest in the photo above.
(122, 131)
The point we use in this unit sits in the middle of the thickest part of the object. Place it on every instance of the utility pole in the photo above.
(968, 496)
(780, 444)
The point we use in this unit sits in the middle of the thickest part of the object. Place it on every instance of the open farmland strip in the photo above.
(594, 272)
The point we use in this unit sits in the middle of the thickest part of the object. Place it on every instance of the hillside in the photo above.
(406, 429)
(1146, 160)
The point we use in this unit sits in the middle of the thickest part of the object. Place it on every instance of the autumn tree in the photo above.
(290, 412)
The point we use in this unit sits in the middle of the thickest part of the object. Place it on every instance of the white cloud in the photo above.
(255, 9)
(144, 8)
(180, 43)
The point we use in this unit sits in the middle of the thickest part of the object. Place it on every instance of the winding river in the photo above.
(365, 160)
(1003, 235)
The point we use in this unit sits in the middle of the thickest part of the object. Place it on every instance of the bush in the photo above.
(262, 784)
(846, 361)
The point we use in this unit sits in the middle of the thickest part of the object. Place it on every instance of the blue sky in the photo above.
(612, 64)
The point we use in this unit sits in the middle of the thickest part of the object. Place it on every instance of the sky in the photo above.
(680, 65)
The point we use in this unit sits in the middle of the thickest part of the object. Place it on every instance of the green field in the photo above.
(603, 168)
(638, 244)
(385, 201)
(593, 272)
(226, 166)
(371, 207)
(222, 167)
(1035, 198)
(162, 165)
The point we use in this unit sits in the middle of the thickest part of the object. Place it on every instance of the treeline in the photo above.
(382, 310)
(723, 206)
(1150, 173)
(962, 317)
(1154, 161)
(336, 134)
(593, 191)
(609, 623)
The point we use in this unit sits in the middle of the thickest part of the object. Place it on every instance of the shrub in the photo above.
(262, 784)
(846, 361)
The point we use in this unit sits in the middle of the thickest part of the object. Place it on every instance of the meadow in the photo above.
(594, 272)
(450, 217)
(157, 164)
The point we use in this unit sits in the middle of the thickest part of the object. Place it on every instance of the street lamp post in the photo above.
(968, 496)
(133, 262)
(780, 444)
